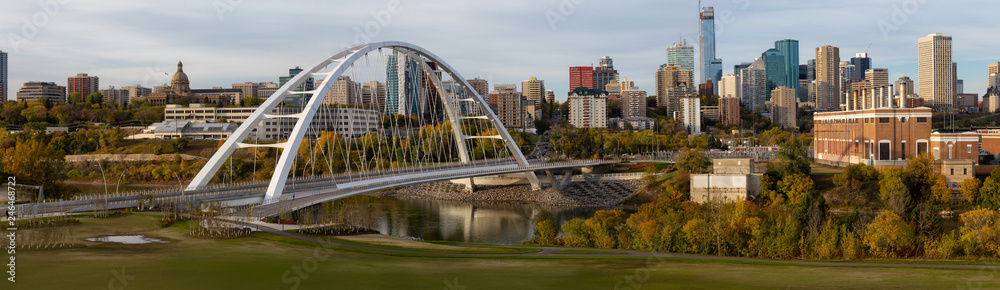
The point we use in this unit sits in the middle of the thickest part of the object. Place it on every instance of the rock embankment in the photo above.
(588, 192)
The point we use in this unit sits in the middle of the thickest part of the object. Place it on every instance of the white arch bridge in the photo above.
(371, 117)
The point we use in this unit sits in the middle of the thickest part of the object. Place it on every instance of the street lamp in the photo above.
(105, 184)
(179, 182)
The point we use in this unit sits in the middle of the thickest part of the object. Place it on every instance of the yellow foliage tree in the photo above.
(889, 236)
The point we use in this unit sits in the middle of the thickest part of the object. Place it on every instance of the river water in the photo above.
(506, 223)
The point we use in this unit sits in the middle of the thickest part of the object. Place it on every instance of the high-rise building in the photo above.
(137, 91)
(691, 114)
(828, 78)
(298, 100)
(993, 68)
(775, 71)
(4, 83)
(877, 76)
(847, 74)
(534, 90)
(783, 107)
(994, 80)
(729, 110)
(83, 84)
(118, 97)
(34, 91)
(510, 108)
(730, 87)
(936, 70)
(550, 96)
(753, 80)
(682, 55)
(738, 69)
(706, 89)
(669, 77)
(373, 95)
(588, 108)
(404, 85)
(861, 63)
(481, 86)
(811, 70)
(711, 67)
(633, 102)
(960, 86)
(904, 86)
(604, 73)
(789, 48)
(344, 91)
(581, 76)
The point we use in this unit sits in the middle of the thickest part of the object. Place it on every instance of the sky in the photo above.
(233, 41)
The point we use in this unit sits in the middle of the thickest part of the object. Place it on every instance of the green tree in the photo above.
(693, 161)
(34, 163)
(576, 233)
(36, 113)
(989, 194)
(796, 187)
(179, 144)
(895, 192)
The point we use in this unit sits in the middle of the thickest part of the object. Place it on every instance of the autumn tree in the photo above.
(980, 232)
(604, 227)
(545, 229)
(889, 236)
(970, 189)
(576, 233)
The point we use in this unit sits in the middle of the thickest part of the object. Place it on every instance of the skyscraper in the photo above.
(711, 67)
(669, 77)
(581, 76)
(534, 90)
(904, 86)
(83, 84)
(682, 55)
(993, 68)
(481, 86)
(633, 102)
(297, 99)
(775, 71)
(691, 114)
(403, 85)
(789, 48)
(935, 74)
(783, 108)
(827, 78)
(877, 76)
(392, 85)
(4, 84)
(604, 73)
(754, 81)
(861, 63)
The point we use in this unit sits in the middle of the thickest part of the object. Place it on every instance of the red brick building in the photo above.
(581, 76)
(883, 136)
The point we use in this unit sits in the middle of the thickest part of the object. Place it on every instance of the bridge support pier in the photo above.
(561, 182)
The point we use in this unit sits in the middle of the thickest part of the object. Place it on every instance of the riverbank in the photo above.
(577, 193)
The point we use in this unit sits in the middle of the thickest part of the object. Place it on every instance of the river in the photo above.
(507, 223)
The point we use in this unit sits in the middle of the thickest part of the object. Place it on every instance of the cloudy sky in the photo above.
(227, 41)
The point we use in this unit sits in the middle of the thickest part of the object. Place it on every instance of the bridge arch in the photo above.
(341, 62)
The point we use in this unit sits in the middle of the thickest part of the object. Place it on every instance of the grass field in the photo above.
(271, 262)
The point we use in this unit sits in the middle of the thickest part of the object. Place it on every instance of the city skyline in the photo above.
(118, 47)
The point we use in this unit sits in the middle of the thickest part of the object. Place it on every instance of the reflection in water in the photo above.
(479, 222)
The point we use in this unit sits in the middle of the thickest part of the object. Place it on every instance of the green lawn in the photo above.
(263, 262)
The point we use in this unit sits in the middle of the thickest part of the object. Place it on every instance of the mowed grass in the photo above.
(266, 262)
